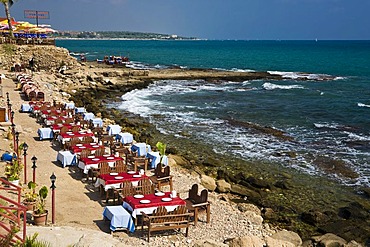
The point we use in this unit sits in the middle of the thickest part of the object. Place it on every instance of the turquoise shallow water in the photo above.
(326, 117)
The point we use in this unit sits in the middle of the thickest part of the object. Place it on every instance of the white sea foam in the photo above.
(189, 121)
(271, 86)
(362, 105)
(306, 76)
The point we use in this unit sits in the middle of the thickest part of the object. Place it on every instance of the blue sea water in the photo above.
(323, 103)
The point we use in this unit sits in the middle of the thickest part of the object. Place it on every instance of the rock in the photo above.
(353, 244)
(271, 242)
(208, 243)
(268, 213)
(246, 241)
(283, 184)
(208, 182)
(288, 236)
(223, 186)
(254, 218)
(251, 195)
(330, 240)
(366, 191)
(245, 207)
(258, 183)
(314, 217)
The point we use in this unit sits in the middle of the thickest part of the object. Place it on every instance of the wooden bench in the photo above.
(163, 220)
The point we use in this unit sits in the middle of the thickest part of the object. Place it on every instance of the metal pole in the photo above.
(25, 148)
(34, 159)
(52, 187)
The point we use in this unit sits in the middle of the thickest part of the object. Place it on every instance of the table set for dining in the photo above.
(148, 203)
(92, 161)
(114, 180)
(77, 149)
(65, 137)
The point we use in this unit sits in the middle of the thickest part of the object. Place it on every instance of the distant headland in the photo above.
(118, 35)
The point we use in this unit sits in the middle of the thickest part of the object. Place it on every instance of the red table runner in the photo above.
(155, 201)
(111, 179)
(98, 159)
(59, 126)
(91, 146)
(76, 134)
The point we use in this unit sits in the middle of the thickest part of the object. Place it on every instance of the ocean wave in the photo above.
(305, 76)
(271, 86)
(363, 105)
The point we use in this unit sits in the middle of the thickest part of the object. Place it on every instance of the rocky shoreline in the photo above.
(286, 198)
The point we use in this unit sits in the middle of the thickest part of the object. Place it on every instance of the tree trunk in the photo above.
(7, 12)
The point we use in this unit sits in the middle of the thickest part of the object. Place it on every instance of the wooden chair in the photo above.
(103, 168)
(144, 187)
(75, 128)
(162, 220)
(140, 162)
(100, 152)
(85, 153)
(69, 120)
(87, 139)
(197, 203)
(120, 166)
(74, 141)
(126, 189)
(162, 177)
(63, 130)
(58, 121)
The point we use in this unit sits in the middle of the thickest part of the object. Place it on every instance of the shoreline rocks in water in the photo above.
(278, 195)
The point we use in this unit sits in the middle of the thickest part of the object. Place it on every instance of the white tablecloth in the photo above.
(80, 110)
(69, 105)
(88, 115)
(141, 148)
(119, 218)
(26, 108)
(45, 133)
(125, 137)
(156, 158)
(113, 129)
(97, 122)
(67, 158)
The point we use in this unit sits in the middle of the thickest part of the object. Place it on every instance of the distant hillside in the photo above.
(117, 35)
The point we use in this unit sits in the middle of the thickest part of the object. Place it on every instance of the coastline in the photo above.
(198, 163)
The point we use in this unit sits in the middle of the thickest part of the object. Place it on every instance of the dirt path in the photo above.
(77, 202)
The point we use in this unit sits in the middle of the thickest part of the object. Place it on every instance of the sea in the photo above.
(323, 102)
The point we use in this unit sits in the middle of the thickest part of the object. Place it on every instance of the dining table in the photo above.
(113, 180)
(77, 149)
(64, 137)
(138, 204)
(49, 120)
(92, 161)
(141, 148)
(56, 127)
(124, 137)
(119, 218)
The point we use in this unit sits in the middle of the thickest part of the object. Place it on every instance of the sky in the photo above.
(210, 19)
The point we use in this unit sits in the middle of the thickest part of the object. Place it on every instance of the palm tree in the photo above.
(7, 5)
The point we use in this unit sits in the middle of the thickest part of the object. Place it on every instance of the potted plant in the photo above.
(162, 150)
(30, 197)
(13, 171)
(40, 213)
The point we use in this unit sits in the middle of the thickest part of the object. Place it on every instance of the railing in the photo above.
(27, 41)
(12, 212)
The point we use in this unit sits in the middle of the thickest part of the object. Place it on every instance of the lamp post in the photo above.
(13, 134)
(7, 98)
(17, 142)
(9, 109)
(52, 187)
(12, 116)
(25, 148)
(34, 159)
